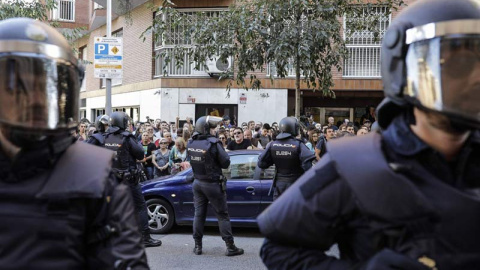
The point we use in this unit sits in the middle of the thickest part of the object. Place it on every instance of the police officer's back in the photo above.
(128, 151)
(60, 205)
(405, 198)
(101, 125)
(207, 158)
(289, 154)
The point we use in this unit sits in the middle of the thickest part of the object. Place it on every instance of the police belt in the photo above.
(127, 176)
(287, 179)
(209, 179)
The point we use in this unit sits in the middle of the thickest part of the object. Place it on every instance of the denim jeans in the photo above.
(149, 172)
(204, 192)
(140, 207)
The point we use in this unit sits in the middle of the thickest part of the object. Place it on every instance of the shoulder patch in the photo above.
(323, 177)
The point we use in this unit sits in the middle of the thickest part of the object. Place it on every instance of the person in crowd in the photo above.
(156, 125)
(151, 135)
(321, 147)
(148, 148)
(128, 151)
(186, 135)
(264, 138)
(239, 142)
(289, 154)
(161, 160)
(226, 122)
(350, 128)
(255, 143)
(208, 158)
(405, 198)
(312, 140)
(54, 192)
(369, 114)
(170, 141)
(331, 124)
(362, 131)
(223, 139)
(178, 156)
(251, 125)
(368, 124)
(82, 132)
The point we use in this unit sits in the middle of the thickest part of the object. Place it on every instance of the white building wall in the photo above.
(266, 105)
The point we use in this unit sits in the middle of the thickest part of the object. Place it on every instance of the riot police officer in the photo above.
(101, 125)
(60, 205)
(289, 154)
(128, 151)
(405, 198)
(207, 158)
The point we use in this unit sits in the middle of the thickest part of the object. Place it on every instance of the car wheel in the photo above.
(160, 216)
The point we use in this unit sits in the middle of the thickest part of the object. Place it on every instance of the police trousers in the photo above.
(280, 188)
(140, 206)
(204, 192)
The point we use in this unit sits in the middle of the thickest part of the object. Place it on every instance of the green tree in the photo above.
(300, 35)
(38, 10)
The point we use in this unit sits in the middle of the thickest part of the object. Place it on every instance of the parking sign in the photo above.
(108, 60)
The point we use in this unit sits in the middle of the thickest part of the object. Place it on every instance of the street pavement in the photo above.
(176, 251)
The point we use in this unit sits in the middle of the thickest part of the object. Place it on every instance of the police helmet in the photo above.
(118, 121)
(101, 122)
(205, 123)
(430, 60)
(288, 126)
(40, 79)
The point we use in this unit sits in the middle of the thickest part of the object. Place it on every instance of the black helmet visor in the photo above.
(38, 93)
(443, 74)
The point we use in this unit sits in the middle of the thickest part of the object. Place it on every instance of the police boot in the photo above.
(148, 241)
(198, 247)
(232, 250)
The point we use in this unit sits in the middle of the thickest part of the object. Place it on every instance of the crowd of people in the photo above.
(165, 143)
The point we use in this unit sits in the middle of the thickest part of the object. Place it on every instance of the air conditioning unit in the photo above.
(215, 65)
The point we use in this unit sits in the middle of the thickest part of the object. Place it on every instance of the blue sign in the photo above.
(101, 48)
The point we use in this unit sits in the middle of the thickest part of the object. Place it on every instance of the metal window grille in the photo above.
(180, 36)
(65, 11)
(363, 48)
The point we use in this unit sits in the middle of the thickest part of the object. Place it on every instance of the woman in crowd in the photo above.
(82, 133)
(161, 160)
(223, 138)
(178, 156)
(312, 141)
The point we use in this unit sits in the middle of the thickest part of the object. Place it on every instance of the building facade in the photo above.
(145, 90)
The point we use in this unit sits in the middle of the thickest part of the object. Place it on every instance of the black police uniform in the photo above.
(128, 151)
(62, 208)
(97, 138)
(430, 208)
(207, 158)
(291, 158)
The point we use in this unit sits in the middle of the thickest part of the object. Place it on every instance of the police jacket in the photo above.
(97, 139)
(207, 157)
(63, 209)
(290, 156)
(127, 149)
(444, 225)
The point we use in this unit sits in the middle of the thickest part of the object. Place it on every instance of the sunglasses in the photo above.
(237, 133)
(222, 138)
(163, 143)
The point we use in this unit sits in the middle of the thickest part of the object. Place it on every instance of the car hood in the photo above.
(169, 180)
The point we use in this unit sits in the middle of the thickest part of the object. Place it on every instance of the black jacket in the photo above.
(55, 208)
(323, 210)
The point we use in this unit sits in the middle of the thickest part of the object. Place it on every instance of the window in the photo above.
(268, 173)
(65, 11)
(116, 81)
(241, 167)
(363, 48)
(175, 36)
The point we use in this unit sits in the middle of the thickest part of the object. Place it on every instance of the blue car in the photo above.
(170, 198)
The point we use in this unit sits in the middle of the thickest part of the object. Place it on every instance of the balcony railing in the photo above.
(362, 62)
(65, 11)
(187, 69)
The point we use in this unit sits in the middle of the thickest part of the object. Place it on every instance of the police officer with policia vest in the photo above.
(408, 197)
(289, 154)
(208, 158)
(61, 206)
(128, 151)
(101, 125)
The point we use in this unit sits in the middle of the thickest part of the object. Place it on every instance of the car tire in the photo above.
(160, 216)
